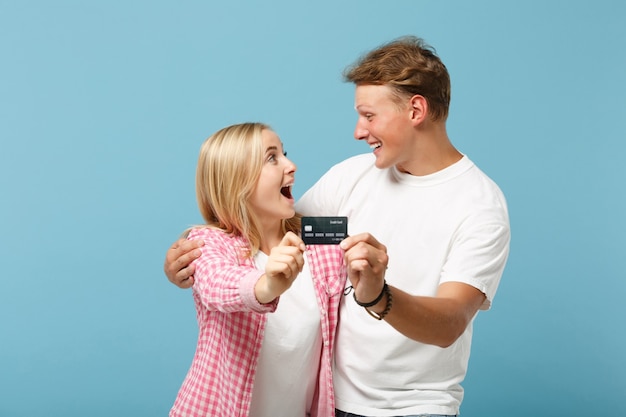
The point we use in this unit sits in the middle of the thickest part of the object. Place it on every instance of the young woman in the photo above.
(267, 305)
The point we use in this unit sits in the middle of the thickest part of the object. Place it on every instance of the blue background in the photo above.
(103, 107)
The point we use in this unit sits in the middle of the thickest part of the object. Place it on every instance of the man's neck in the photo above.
(432, 152)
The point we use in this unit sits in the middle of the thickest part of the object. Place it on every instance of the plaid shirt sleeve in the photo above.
(225, 277)
(220, 379)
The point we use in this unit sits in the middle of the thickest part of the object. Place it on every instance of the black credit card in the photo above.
(324, 230)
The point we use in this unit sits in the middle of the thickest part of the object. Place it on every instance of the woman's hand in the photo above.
(284, 264)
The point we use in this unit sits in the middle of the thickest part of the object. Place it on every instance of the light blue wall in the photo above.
(104, 104)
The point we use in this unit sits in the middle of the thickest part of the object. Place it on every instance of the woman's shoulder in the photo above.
(209, 233)
(218, 242)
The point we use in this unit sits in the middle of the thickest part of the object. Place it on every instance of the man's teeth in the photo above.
(375, 145)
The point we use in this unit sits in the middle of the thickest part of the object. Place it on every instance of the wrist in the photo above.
(379, 307)
(262, 292)
(374, 308)
(373, 302)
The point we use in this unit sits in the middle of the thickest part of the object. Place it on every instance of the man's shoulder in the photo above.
(364, 159)
(354, 166)
(487, 181)
(327, 195)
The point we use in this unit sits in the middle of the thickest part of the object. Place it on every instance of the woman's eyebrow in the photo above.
(275, 148)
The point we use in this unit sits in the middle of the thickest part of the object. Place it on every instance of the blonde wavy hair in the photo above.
(229, 167)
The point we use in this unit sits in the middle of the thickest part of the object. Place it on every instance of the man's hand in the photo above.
(367, 260)
(178, 261)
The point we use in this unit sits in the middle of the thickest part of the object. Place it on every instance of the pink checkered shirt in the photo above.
(231, 324)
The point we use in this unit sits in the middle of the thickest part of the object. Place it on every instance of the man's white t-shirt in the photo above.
(448, 226)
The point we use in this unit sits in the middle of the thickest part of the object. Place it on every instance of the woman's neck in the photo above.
(270, 238)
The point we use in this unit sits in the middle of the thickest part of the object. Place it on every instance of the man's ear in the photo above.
(418, 107)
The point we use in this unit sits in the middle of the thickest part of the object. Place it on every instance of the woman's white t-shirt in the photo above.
(289, 360)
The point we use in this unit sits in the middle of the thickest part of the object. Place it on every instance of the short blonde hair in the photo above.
(229, 167)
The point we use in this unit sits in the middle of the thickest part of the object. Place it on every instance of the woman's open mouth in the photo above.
(286, 191)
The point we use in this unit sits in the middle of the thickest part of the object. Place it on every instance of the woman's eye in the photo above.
(273, 157)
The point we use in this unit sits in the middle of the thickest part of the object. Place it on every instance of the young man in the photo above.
(403, 342)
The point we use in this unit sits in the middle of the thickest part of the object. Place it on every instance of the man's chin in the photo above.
(381, 163)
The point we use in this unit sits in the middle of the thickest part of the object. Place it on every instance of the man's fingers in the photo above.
(178, 265)
(365, 238)
(181, 247)
(183, 275)
(185, 260)
(359, 265)
(178, 261)
(376, 258)
(185, 283)
(367, 262)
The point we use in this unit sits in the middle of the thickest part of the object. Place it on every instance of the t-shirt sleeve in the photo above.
(479, 253)
(326, 196)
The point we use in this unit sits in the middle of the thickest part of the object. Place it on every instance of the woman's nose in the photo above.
(290, 167)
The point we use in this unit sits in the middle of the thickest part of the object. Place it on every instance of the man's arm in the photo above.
(178, 264)
(438, 320)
